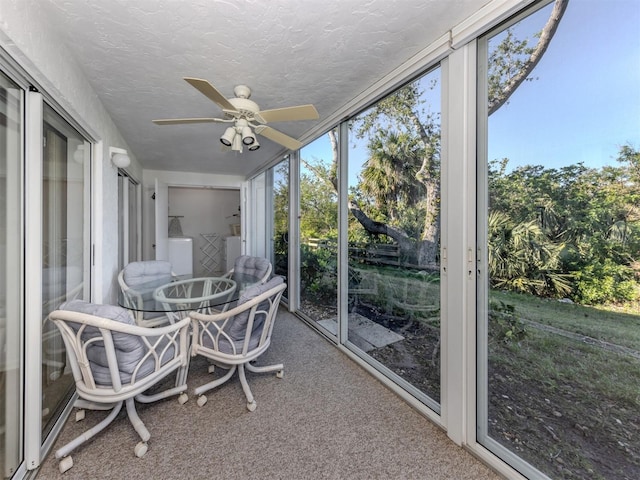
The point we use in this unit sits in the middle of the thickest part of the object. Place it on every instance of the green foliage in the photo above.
(399, 185)
(509, 57)
(549, 225)
(605, 282)
(389, 176)
(318, 202)
(504, 325)
(318, 273)
(281, 198)
(281, 253)
(522, 259)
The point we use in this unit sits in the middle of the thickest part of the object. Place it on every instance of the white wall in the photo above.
(31, 40)
(184, 180)
(204, 210)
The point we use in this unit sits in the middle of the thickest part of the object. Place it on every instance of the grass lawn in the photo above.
(568, 406)
(620, 328)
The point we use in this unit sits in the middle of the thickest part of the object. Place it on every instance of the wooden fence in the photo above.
(375, 253)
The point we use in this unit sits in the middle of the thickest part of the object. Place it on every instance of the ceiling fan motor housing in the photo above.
(245, 107)
(242, 91)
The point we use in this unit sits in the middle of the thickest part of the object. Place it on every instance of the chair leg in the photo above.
(180, 388)
(208, 386)
(138, 425)
(251, 403)
(279, 367)
(181, 376)
(79, 440)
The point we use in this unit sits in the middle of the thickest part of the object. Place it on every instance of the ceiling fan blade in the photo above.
(210, 91)
(178, 121)
(289, 114)
(278, 137)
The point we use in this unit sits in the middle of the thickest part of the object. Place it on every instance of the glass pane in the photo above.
(280, 204)
(133, 221)
(122, 227)
(11, 314)
(560, 353)
(127, 220)
(319, 232)
(63, 251)
(394, 233)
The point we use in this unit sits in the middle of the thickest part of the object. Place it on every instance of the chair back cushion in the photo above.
(237, 327)
(139, 273)
(130, 349)
(256, 266)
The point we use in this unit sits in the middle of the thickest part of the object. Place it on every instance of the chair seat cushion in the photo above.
(235, 347)
(130, 349)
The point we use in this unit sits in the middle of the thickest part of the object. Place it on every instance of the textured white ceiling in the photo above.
(290, 52)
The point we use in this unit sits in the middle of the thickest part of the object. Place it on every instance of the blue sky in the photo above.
(585, 102)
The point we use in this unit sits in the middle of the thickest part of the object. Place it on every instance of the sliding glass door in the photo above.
(394, 235)
(280, 221)
(129, 244)
(558, 306)
(65, 243)
(11, 294)
(319, 232)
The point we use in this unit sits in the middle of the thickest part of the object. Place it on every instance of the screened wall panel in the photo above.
(280, 221)
(558, 307)
(394, 234)
(318, 223)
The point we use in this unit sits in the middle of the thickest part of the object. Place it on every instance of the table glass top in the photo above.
(185, 293)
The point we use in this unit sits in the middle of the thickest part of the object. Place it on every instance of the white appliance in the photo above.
(181, 255)
(232, 250)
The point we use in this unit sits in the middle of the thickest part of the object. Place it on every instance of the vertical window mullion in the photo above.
(33, 279)
(343, 226)
(294, 231)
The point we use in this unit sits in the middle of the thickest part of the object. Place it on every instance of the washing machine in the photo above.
(181, 255)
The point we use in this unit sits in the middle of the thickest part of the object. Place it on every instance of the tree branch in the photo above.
(380, 228)
(546, 35)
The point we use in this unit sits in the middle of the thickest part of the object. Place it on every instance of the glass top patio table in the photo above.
(186, 293)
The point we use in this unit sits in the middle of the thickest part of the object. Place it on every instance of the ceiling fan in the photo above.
(246, 115)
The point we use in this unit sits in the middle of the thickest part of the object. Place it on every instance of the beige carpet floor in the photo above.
(326, 419)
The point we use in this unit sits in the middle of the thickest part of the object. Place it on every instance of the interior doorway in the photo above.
(210, 217)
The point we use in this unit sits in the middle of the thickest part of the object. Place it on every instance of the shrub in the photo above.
(605, 282)
(504, 325)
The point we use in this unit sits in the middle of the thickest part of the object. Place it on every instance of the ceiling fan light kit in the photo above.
(237, 144)
(228, 136)
(243, 112)
(247, 136)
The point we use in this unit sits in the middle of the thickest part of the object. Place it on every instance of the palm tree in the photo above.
(522, 259)
(389, 175)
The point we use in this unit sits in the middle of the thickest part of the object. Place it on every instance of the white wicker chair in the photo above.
(257, 266)
(233, 338)
(143, 274)
(114, 362)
